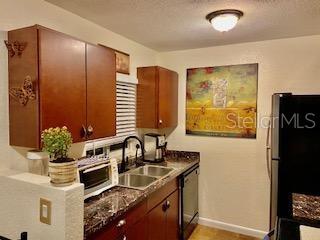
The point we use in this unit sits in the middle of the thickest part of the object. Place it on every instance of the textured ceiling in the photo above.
(166, 25)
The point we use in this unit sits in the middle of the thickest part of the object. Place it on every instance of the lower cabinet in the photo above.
(157, 223)
(131, 226)
(156, 218)
(172, 217)
(163, 220)
(139, 231)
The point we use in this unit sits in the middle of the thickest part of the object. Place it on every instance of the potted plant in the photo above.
(57, 141)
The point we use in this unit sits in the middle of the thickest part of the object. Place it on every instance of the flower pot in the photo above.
(62, 173)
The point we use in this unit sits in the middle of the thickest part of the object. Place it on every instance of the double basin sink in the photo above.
(142, 177)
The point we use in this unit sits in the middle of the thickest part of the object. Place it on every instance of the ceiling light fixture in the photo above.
(224, 20)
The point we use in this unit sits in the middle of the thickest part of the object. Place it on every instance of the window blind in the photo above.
(126, 109)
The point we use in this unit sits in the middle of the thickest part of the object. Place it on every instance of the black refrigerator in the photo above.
(295, 152)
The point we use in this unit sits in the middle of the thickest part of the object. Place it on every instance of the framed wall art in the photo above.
(122, 60)
(222, 101)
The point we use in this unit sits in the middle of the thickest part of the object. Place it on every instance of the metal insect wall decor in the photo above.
(15, 48)
(24, 93)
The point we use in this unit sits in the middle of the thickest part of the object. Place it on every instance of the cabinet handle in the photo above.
(124, 237)
(164, 207)
(84, 132)
(168, 204)
(89, 130)
(121, 223)
(160, 121)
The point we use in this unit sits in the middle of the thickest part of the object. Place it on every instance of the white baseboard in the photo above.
(232, 228)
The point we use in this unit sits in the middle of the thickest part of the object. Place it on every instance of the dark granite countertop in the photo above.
(104, 208)
(306, 207)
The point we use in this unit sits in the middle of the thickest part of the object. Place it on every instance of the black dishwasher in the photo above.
(189, 202)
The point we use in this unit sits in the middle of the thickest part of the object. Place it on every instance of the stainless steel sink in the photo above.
(136, 181)
(154, 171)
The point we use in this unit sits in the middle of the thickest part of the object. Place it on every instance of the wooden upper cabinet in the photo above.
(58, 80)
(62, 82)
(157, 98)
(24, 115)
(101, 91)
(168, 98)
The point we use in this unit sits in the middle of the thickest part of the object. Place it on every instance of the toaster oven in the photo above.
(97, 175)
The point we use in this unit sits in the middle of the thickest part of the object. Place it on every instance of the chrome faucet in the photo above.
(124, 161)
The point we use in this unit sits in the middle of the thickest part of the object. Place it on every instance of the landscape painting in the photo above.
(222, 101)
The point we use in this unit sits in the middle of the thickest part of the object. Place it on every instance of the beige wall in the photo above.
(19, 208)
(234, 186)
(21, 13)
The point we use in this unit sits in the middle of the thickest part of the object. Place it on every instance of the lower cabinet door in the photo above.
(157, 223)
(173, 216)
(139, 231)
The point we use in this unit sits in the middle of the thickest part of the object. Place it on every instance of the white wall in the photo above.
(234, 187)
(21, 13)
(20, 205)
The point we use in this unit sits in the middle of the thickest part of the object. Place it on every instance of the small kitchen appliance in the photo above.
(97, 175)
(156, 145)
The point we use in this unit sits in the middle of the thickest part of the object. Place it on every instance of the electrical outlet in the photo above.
(45, 211)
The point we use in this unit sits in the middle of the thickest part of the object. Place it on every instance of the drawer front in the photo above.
(157, 197)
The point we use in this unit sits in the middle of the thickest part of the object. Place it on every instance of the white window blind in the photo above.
(126, 109)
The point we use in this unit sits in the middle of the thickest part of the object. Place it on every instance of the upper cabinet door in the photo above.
(101, 92)
(24, 119)
(168, 98)
(157, 98)
(62, 82)
(147, 97)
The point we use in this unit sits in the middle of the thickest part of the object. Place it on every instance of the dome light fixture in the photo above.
(224, 20)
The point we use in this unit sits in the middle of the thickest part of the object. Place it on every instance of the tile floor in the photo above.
(206, 233)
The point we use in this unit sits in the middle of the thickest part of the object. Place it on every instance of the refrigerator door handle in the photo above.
(268, 148)
(275, 121)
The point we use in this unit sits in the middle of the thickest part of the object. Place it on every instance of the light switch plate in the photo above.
(45, 211)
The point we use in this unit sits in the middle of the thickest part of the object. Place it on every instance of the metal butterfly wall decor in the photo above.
(24, 93)
(15, 47)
